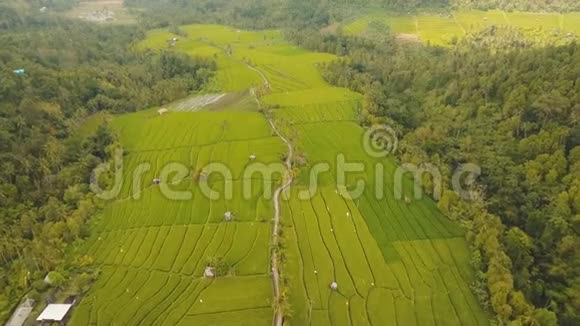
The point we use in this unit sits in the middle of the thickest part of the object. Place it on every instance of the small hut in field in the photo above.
(172, 41)
(162, 111)
(228, 216)
(209, 272)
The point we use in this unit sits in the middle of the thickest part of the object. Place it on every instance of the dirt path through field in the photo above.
(266, 81)
(287, 181)
(278, 318)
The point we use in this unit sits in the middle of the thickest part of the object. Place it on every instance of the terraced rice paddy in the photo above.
(153, 249)
(395, 263)
(441, 29)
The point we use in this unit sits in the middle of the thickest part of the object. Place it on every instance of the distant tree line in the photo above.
(251, 14)
(514, 110)
(257, 14)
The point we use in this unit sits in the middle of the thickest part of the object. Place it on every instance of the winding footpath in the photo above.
(278, 318)
(287, 181)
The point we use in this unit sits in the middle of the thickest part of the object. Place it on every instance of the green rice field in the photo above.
(440, 29)
(395, 263)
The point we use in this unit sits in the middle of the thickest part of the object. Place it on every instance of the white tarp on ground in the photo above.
(195, 103)
(54, 312)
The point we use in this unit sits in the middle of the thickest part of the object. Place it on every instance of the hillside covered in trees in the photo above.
(266, 13)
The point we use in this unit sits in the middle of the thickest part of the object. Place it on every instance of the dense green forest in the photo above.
(70, 70)
(245, 13)
(266, 13)
(510, 108)
(20, 13)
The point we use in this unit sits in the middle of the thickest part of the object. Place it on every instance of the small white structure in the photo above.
(21, 313)
(54, 313)
(485, 18)
(228, 216)
(156, 181)
(252, 157)
(162, 111)
(43, 9)
(334, 286)
(209, 272)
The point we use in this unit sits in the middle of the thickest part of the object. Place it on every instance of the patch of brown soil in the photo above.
(408, 38)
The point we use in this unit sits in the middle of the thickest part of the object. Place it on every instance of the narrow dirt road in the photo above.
(266, 81)
(278, 320)
(286, 182)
